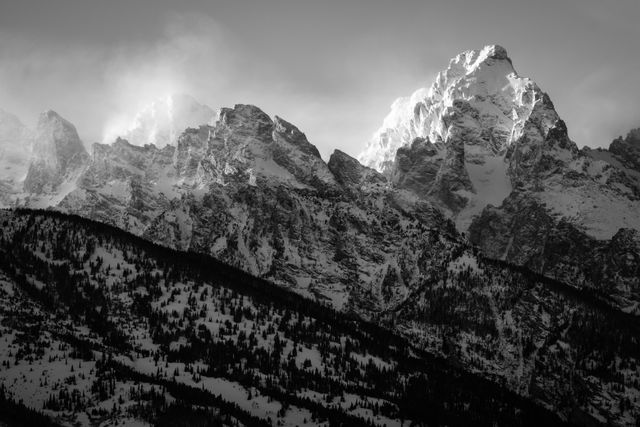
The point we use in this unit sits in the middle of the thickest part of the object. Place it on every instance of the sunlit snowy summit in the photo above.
(471, 137)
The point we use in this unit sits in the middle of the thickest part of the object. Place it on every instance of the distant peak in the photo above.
(349, 171)
(470, 61)
(248, 109)
(243, 112)
(51, 117)
(494, 51)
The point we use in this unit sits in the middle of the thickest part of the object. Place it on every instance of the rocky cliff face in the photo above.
(350, 174)
(253, 192)
(124, 185)
(257, 195)
(627, 150)
(58, 157)
(564, 225)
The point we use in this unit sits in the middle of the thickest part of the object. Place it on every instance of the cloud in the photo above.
(191, 58)
(99, 87)
(603, 109)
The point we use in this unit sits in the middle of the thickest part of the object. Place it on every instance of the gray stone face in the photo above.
(523, 232)
(351, 174)
(58, 154)
(627, 150)
(417, 166)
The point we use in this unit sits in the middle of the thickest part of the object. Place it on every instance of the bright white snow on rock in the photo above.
(484, 78)
(479, 100)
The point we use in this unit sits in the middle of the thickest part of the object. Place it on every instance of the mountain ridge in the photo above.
(493, 174)
(216, 189)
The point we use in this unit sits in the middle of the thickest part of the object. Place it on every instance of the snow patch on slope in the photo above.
(597, 210)
(491, 185)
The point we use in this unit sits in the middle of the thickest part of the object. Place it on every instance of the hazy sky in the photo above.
(330, 67)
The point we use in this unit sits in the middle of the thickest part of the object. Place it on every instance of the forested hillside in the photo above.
(99, 326)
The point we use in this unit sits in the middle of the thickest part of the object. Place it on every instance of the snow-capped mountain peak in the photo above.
(483, 81)
(479, 114)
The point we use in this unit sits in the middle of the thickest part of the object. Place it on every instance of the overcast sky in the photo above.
(330, 67)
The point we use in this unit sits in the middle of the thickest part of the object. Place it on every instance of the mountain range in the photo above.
(471, 226)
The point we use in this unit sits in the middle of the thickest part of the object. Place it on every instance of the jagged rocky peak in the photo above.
(349, 172)
(246, 117)
(58, 154)
(163, 120)
(123, 160)
(245, 145)
(480, 86)
(628, 149)
(290, 133)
